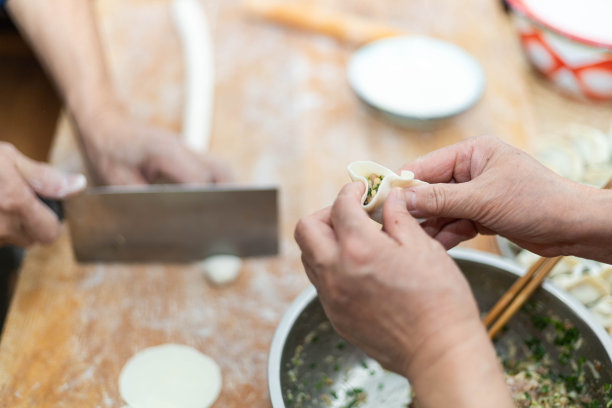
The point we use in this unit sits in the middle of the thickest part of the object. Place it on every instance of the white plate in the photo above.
(416, 78)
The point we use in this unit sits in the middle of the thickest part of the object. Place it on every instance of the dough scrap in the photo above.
(361, 170)
(222, 269)
(198, 57)
(170, 376)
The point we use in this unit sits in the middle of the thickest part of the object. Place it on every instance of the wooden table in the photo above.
(283, 114)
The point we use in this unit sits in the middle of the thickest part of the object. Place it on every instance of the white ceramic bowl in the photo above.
(573, 57)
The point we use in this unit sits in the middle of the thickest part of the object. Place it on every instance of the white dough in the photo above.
(361, 170)
(222, 269)
(170, 376)
(198, 57)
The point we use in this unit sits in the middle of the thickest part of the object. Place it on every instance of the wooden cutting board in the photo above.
(283, 114)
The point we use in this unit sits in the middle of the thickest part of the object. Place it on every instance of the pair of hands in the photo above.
(395, 292)
(397, 295)
(119, 151)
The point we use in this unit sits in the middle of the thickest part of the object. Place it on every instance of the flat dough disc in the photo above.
(170, 376)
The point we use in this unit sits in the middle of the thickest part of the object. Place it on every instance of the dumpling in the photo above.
(603, 311)
(378, 181)
(561, 157)
(588, 289)
(592, 144)
(526, 258)
(606, 274)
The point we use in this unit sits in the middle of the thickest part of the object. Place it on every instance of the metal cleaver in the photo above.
(172, 223)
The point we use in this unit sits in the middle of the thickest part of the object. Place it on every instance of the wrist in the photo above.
(591, 232)
(462, 362)
(93, 107)
(90, 117)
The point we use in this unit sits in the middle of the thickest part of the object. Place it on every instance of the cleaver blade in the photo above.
(172, 223)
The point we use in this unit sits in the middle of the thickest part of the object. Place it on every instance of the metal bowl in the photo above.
(310, 365)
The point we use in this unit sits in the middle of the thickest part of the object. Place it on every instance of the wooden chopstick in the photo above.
(321, 20)
(518, 294)
(511, 293)
(520, 291)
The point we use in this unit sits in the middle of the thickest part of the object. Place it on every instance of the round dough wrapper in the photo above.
(361, 170)
(170, 376)
(222, 269)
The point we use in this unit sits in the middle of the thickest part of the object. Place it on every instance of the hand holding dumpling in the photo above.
(397, 295)
(482, 185)
(378, 182)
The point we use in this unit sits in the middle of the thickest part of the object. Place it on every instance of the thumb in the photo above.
(397, 221)
(49, 182)
(449, 200)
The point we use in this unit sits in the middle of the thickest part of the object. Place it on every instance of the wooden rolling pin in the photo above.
(352, 29)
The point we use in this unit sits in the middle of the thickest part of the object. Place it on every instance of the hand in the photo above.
(483, 185)
(24, 219)
(121, 150)
(118, 149)
(398, 296)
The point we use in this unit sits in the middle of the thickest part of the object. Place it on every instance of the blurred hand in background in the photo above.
(118, 148)
(122, 150)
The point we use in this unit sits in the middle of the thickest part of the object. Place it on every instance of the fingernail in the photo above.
(410, 200)
(72, 183)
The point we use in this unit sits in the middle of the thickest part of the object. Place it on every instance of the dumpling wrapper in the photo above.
(361, 170)
(221, 269)
(170, 376)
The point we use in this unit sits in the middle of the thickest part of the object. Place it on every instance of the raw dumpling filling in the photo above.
(374, 182)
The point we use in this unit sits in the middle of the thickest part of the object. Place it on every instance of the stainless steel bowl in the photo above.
(310, 365)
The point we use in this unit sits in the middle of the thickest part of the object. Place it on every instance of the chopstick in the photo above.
(318, 19)
(518, 294)
(520, 291)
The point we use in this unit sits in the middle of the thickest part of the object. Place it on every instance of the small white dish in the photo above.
(415, 81)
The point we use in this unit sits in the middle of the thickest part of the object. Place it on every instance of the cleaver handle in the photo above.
(55, 206)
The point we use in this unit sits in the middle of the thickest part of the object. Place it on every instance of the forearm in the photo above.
(591, 236)
(459, 370)
(63, 34)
